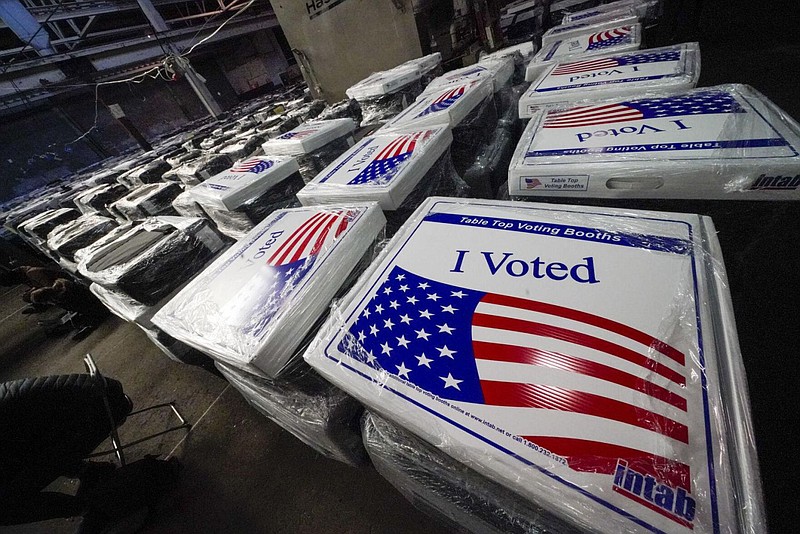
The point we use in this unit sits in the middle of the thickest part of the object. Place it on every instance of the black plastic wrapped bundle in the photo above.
(282, 127)
(38, 227)
(187, 206)
(314, 411)
(344, 109)
(472, 134)
(490, 167)
(199, 169)
(146, 201)
(381, 108)
(151, 172)
(179, 159)
(243, 147)
(70, 237)
(237, 222)
(559, 8)
(447, 489)
(152, 259)
(175, 350)
(97, 199)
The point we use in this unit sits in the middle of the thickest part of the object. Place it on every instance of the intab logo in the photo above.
(776, 183)
(675, 503)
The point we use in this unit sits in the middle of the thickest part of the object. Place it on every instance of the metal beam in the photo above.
(26, 27)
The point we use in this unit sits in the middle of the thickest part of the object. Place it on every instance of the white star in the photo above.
(423, 360)
(289, 272)
(433, 296)
(402, 370)
(370, 357)
(386, 349)
(424, 285)
(412, 299)
(400, 277)
(379, 309)
(388, 324)
(361, 336)
(405, 319)
(458, 294)
(394, 305)
(449, 309)
(373, 330)
(402, 342)
(443, 328)
(421, 333)
(426, 314)
(366, 313)
(403, 288)
(445, 352)
(387, 291)
(450, 382)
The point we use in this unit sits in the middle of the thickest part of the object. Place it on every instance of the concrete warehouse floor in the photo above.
(242, 473)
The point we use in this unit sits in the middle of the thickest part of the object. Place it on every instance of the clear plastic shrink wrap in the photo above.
(146, 201)
(197, 170)
(583, 46)
(499, 69)
(468, 108)
(448, 490)
(244, 146)
(175, 350)
(253, 306)
(148, 261)
(37, 228)
(241, 197)
(724, 142)
(149, 173)
(599, 28)
(522, 54)
(530, 343)
(382, 95)
(72, 236)
(186, 206)
(317, 413)
(344, 109)
(645, 10)
(560, 8)
(314, 144)
(668, 69)
(398, 169)
(97, 199)
(429, 66)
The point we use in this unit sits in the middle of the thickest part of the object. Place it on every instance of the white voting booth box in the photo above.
(241, 197)
(384, 94)
(531, 343)
(596, 27)
(254, 304)
(725, 142)
(396, 168)
(315, 144)
(645, 10)
(623, 38)
(668, 69)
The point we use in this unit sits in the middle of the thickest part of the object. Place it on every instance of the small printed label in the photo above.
(554, 183)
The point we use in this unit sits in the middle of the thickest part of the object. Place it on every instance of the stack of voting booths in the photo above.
(253, 308)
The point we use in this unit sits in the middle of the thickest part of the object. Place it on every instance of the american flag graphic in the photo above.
(255, 165)
(589, 65)
(590, 390)
(299, 134)
(444, 101)
(389, 160)
(699, 103)
(532, 183)
(609, 38)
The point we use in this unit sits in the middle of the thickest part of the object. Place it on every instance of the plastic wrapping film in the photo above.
(530, 343)
(597, 27)
(186, 206)
(148, 261)
(723, 142)
(311, 409)
(384, 94)
(648, 11)
(39, 226)
(244, 146)
(146, 201)
(185, 156)
(522, 54)
(673, 68)
(583, 46)
(560, 8)
(253, 306)
(344, 109)
(241, 197)
(197, 170)
(448, 490)
(396, 168)
(468, 108)
(174, 349)
(315, 144)
(284, 125)
(97, 199)
(150, 173)
(70, 237)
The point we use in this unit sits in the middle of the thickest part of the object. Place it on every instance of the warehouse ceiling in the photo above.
(49, 47)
